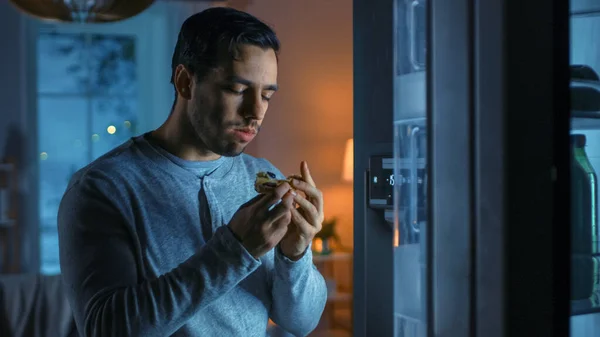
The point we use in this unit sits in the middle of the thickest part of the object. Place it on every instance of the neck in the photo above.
(178, 137)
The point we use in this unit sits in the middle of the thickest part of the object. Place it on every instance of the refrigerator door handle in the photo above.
(414, 177)
(412, 19)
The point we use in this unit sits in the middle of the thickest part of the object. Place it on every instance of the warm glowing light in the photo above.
(95, 137)
(127, 124)
(111, 129)
(43, 156)
(348, 169)
(317, 245)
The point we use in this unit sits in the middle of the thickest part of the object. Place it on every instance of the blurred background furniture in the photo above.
(9, 243)
(33, 305)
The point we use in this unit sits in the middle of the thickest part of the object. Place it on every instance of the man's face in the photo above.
(228, 105)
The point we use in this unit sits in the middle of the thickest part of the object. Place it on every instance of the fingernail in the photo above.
(295, 181)
(293, 193)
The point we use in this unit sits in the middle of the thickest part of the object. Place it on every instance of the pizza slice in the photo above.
(267, 181)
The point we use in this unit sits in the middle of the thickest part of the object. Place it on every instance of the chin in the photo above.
(232, 154)
(232, 150)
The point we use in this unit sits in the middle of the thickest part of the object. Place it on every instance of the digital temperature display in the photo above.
(381, 182)
(390, 180)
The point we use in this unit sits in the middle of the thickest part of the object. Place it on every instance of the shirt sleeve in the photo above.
(298, 290)
(102, 272)
(299, 294)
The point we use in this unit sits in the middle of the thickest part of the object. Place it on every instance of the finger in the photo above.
(309, 210)
(281, 190)
(306, 173)
(281, 226)
(274, 196)
(277, 231)
(310, 190)
(303, 226)
(287, 201)
(283, 208)
(288, 198)
(314, 194)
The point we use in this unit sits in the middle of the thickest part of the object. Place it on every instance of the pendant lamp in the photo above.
(82, 11)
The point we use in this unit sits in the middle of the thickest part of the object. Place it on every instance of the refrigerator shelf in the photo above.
(585, 120)
(583, 307)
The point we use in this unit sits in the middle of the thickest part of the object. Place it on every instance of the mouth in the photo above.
(247, 130)
(244, 134)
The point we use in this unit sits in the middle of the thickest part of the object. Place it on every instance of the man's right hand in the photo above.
(260, 229)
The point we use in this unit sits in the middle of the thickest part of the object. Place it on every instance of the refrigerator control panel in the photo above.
(381, 181)
(412, 198)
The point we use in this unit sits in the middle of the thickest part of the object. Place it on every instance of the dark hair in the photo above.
(204, 37)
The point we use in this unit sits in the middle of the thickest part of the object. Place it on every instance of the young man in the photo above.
(165, 235)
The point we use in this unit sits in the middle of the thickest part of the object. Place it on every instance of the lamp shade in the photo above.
(83, 11)
(348, 169)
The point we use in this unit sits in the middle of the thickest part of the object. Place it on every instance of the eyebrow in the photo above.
(240, 80)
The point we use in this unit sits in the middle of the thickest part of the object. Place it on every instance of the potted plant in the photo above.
(326, 236)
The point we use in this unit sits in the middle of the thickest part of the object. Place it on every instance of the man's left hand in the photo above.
(307, 219)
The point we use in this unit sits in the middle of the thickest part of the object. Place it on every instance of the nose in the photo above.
(254, 107)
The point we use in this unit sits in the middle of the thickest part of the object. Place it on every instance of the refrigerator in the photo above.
(477, 142)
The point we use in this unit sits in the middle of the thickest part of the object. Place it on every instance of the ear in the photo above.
(183, 82)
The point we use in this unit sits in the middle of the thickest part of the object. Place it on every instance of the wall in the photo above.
(18, 126)
(311, 116)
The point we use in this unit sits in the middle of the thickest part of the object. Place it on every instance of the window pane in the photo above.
(63, 143)
(114, 122)
(112, 65)
(61, 63)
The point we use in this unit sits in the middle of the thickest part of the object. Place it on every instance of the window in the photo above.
(97, 86)
(87, 105)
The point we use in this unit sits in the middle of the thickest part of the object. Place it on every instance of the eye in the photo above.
(267, 95)
(235, 91)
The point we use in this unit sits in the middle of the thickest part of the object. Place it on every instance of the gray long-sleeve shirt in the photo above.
(144, 251)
